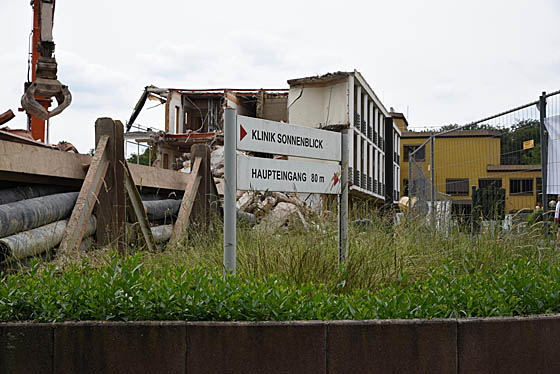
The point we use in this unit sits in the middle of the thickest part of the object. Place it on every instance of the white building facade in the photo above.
(344, 100)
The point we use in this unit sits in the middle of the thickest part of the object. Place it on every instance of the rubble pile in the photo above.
(267, 211)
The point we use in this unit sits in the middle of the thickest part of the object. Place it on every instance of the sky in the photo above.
(437, 61)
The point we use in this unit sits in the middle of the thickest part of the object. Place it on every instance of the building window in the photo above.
(418, 156)
(457, 187)
(521, 186)
(539, 191)
(489, 182)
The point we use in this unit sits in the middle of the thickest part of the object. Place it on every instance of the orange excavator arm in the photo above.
(44, 83)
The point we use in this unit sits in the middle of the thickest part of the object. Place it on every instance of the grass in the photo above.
(404, 271)
(378, 255)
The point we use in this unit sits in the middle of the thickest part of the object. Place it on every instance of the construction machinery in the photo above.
(43, 85)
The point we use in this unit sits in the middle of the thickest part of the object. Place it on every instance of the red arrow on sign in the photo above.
(335, 179)
(242, 133)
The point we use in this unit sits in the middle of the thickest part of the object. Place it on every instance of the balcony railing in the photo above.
(357, 121)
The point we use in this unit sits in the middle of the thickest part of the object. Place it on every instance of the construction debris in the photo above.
(273, 209)
(278, 217)
(6, 116)
(162, 233)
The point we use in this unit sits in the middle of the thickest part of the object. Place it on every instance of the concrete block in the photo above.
(262, 347)
(509, 345)
(26, 348)
(395, 346)
(102, 347)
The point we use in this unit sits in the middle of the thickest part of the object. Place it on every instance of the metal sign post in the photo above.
(265, 174)
(230, 190)
(343, 200)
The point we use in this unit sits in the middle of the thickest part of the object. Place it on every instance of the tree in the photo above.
(512, 139)
(144, 158)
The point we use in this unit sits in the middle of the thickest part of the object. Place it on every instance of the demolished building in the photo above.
(341, 101)
(197, 115)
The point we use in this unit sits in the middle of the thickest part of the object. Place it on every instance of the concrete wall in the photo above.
(319, 105)
(492, 345)
(275, 108)
(174, 106)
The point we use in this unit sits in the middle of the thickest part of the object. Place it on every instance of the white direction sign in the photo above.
(263, 174)
(259, 135)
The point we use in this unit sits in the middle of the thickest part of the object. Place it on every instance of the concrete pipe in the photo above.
(87, 243)
(11, 195)
(39, 240)
(161, 209)
(160, 196)
(247, 218)
(29, 214)
(162, 233)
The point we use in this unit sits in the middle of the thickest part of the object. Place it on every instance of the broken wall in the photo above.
(319, 105)
(272, 107)
(174, 113)
(232, 101)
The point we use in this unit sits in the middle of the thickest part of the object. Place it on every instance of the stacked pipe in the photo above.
(33, 220)
(161, 213)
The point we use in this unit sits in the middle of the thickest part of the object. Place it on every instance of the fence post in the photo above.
(544, 159)
(473, 218)
(409, 155)
(110, 208)
(432, 142)
(202, 203)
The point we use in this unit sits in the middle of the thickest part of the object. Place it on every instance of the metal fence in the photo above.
(506, 150)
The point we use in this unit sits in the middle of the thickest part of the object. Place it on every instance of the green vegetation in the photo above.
(405, 271)
(144, 158)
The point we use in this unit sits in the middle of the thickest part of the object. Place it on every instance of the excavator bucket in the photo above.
(47, 88)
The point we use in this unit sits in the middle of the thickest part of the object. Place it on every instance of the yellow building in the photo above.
(466, 158)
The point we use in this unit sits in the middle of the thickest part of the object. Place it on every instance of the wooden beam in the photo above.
(31, 160)
(111, 205)
(86, 199)
(188, 202)
(151, 177)
(138, 214)
(6, 116)
(41, 165)
(202, 203)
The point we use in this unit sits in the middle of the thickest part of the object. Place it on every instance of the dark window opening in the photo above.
(457, 187)
(485, 183)
(521, 186)
(418, 156)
